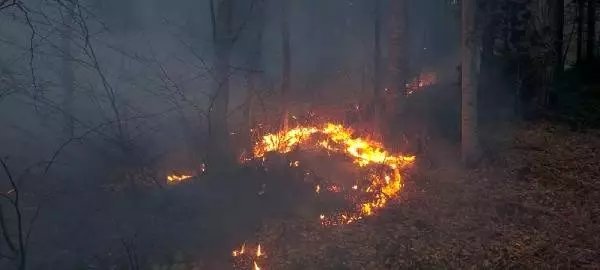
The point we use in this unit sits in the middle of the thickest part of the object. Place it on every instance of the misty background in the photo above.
(91, 89)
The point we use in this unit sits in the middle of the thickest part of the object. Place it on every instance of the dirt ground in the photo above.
(532, 204)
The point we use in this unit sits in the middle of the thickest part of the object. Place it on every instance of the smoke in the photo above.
(143, 73)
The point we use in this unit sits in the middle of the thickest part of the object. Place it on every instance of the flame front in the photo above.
(174, 178)
(383, 185)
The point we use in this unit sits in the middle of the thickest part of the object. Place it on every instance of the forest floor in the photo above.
(533, 203)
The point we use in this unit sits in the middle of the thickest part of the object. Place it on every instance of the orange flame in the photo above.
(259, 252)
(249, 256)
(239, 252)
(175, 178)
(384, 184)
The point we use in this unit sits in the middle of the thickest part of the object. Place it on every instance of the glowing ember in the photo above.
(334, 188)
(256, 266)
(423, 80)
(385, 180)
(175, 178)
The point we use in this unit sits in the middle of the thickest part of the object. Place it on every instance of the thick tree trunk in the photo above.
(286, 67)
(469, 137)
(68, 76)
(591, 32)
(397, 69)
(219, 148)
(580, 12)
(397, 65)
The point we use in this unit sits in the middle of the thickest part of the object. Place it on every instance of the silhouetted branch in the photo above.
(20, 251)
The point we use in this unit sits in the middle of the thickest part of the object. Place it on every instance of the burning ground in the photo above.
(531, 205)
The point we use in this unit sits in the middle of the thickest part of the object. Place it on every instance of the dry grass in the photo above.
(534, 205)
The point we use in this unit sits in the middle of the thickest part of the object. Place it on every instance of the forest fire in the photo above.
(247, 258)
(176, 178)
(384, 178)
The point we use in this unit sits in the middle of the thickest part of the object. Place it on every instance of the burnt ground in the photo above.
(533, 203)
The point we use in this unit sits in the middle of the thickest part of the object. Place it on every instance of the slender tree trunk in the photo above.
(558, 39)
(254, 77)
(68, 76)
(220, 151)
(469, 137)
(286, 68)
(580, 12)
(377, 76)
(591, 32)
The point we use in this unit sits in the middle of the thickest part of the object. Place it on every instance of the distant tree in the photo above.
(377, 59)
(286, 67)
(254, 77)
(559, 28)
(223, 38)
(469, 54)
(591, 31)
(580, 16)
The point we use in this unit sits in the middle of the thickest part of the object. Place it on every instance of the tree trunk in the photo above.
(591, 32)
(68, 76)
(580, 11)
(559, 28)
(286, 68)
(398, 50)
(397, 47)
(219, 148)
(469, 137)
(254, 76)
(376, 114)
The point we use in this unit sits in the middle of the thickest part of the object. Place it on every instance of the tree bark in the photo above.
(591, 32)
(287, 62)
(469, 137)
(219, 148)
